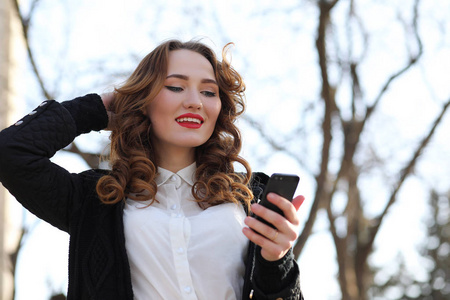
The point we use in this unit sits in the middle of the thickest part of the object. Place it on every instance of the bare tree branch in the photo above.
(25, 22)
(412, 61)
(328, 96)
(24, 232)
(340, 244)
(332, 4)
(367, 248)
(354, 128)
(91, 159)
(276, 145)
(407, 170)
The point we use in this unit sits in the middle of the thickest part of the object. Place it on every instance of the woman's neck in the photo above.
(175, 159)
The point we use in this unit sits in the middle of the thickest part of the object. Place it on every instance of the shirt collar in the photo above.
(187, 174)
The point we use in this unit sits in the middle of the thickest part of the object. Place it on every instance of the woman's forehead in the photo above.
(189, 63)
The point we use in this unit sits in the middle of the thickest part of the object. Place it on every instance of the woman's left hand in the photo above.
(274, 242)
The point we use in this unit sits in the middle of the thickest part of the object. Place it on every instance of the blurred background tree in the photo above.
(435, 250)
(352, 95)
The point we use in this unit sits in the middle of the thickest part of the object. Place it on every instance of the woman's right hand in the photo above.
(108, 99)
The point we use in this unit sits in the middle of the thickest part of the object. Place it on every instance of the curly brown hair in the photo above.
(133, 160)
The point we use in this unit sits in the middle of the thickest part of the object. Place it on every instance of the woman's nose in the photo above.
(193, 100)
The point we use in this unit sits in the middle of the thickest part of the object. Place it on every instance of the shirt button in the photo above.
(42, 104)
(180, 250)
(19, 123)
(32, 113)
(187, 289)
(173, 207)
(173, 178)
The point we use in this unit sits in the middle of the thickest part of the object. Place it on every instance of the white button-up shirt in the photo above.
(177, 250)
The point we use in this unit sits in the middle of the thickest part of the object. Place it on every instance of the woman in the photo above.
(168, 221)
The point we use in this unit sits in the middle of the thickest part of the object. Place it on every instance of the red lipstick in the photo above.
(190, 120)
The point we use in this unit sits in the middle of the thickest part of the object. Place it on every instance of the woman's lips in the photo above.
(190, 125)
(190, 120)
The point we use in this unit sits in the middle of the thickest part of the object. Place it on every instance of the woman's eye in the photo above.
(209, 94)
(174, 88)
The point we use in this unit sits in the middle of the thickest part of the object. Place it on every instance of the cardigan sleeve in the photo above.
(276, 280)
(44, 188)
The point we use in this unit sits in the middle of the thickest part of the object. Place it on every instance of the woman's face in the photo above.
(184, 113)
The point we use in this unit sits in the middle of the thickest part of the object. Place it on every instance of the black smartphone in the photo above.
(281, 184)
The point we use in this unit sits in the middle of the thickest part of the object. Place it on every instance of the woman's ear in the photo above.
(144, 112)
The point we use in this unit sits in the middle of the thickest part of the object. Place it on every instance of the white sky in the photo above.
(274, 52)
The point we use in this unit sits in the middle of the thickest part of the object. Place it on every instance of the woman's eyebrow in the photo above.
(184, 77)
(209, 81)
